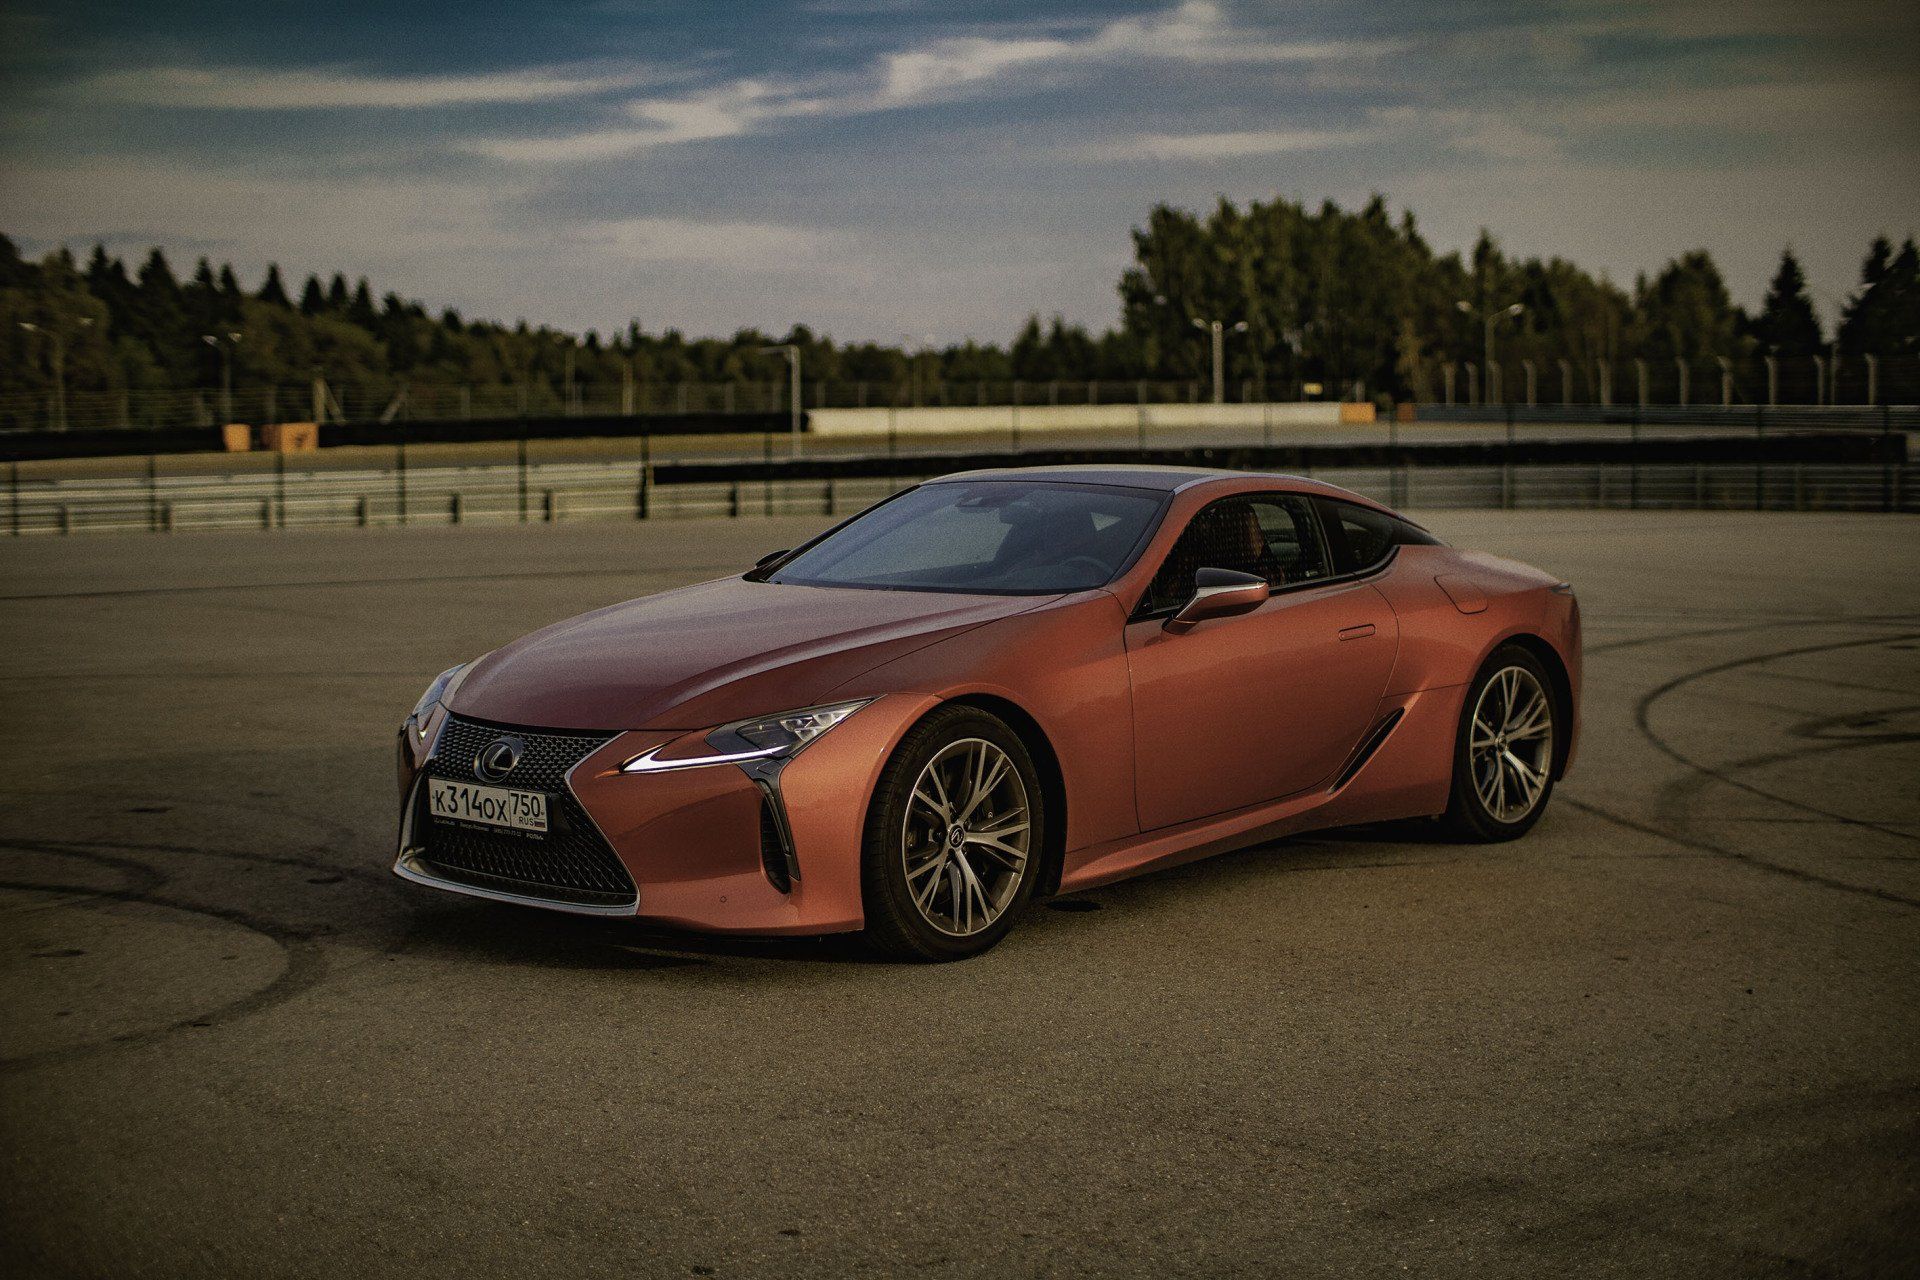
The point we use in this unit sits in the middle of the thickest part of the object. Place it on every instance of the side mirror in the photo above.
(769, 558)
(1219, 593)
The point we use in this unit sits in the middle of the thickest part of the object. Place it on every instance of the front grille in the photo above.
(571, 863)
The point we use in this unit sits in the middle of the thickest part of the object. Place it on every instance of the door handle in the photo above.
(1360, 632)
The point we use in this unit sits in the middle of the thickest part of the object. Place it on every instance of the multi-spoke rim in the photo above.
(966, 836)
(1511, 743)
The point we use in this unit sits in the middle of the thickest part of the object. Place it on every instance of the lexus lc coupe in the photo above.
(990, 687)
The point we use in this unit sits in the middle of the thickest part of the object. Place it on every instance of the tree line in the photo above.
(1350, 299)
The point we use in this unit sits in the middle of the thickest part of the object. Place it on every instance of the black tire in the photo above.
(1469, 817)
(895, 926)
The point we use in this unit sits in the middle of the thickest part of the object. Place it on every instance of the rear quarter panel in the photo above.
(1442, 646)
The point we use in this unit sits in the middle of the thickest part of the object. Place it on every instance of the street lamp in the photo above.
(792, 352)
(57, 338)
(1486, 349)
(1219, 329)
(224, 344)
(566, 377)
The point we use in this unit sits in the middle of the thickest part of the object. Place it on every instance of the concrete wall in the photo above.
(1100, 417)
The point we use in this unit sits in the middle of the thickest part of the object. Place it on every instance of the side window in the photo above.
(1293, 540)
(1271, 535)
(1363, 537)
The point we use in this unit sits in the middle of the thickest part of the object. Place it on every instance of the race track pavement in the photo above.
(1675, 1031)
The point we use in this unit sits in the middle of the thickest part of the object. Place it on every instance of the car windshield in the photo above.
(992, 537)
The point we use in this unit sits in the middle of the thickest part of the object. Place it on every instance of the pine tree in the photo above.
(1787, 325)
(337, 295)
(1883, 316)
(231, 296)
(15, 271)
(272, 291)
(313, 299)
(361, 310)
(157, 319)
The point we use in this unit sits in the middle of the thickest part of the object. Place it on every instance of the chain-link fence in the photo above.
(1829, 380)
(323, 401)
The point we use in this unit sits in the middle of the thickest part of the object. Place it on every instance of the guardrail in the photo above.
(1747, 417)
(619, 490)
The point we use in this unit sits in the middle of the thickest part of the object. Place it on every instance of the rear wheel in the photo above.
(953, 838)
(1503, 758)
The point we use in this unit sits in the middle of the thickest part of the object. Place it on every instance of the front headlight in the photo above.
(416, 719)
(762, 738)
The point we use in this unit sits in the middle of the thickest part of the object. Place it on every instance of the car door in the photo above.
(1240, 711)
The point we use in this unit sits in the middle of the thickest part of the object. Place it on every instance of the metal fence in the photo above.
(324, 401)
(1523, 383)
(564, 491)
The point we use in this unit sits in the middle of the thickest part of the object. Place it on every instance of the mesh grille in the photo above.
(570, 863)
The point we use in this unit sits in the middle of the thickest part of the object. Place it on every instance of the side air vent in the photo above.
(1370, 745)
(776, 857)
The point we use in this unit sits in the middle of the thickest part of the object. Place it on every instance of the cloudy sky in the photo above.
(881, 168)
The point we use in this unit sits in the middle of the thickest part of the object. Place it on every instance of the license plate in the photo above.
(487, 806)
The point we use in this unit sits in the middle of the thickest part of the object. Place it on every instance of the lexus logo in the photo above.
(497, 758)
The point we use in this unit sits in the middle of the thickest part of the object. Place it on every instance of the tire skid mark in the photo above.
(82, 848)
(1643, 722)
(335, 836)
(141, 877)
(1755, 861)
(303, 968)
(1590, 1195)
(1666, 637)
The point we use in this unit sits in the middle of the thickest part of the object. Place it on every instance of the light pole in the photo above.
(224, 344)
(1490, 318)
(57, 339)
(1219, 329)
(792, 352)
(565, 342)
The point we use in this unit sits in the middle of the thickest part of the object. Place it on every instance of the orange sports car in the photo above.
(991, 686)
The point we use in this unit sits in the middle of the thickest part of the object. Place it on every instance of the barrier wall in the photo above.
(1081, 417)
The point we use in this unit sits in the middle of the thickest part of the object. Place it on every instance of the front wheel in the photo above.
(953, 838)
(1503, 759)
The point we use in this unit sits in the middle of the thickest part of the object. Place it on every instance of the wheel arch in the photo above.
(1561, 687)
(1046, 762)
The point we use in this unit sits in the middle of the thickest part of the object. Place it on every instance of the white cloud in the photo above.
(757, 246)
(1197, 31)
(946, 67)
(328, 219)
(1218, 146)
(726, 112)
(270, 89)
(1498, 135)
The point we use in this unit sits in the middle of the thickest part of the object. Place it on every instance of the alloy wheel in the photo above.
(1511, 747)
(966, 837)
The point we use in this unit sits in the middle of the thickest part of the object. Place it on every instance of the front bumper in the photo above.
(709, 849)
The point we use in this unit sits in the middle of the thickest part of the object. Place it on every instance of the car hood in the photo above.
(707, 654)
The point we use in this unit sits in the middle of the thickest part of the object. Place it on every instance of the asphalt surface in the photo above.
(1674, 1031)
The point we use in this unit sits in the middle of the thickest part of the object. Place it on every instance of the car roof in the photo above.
(1163, 479)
